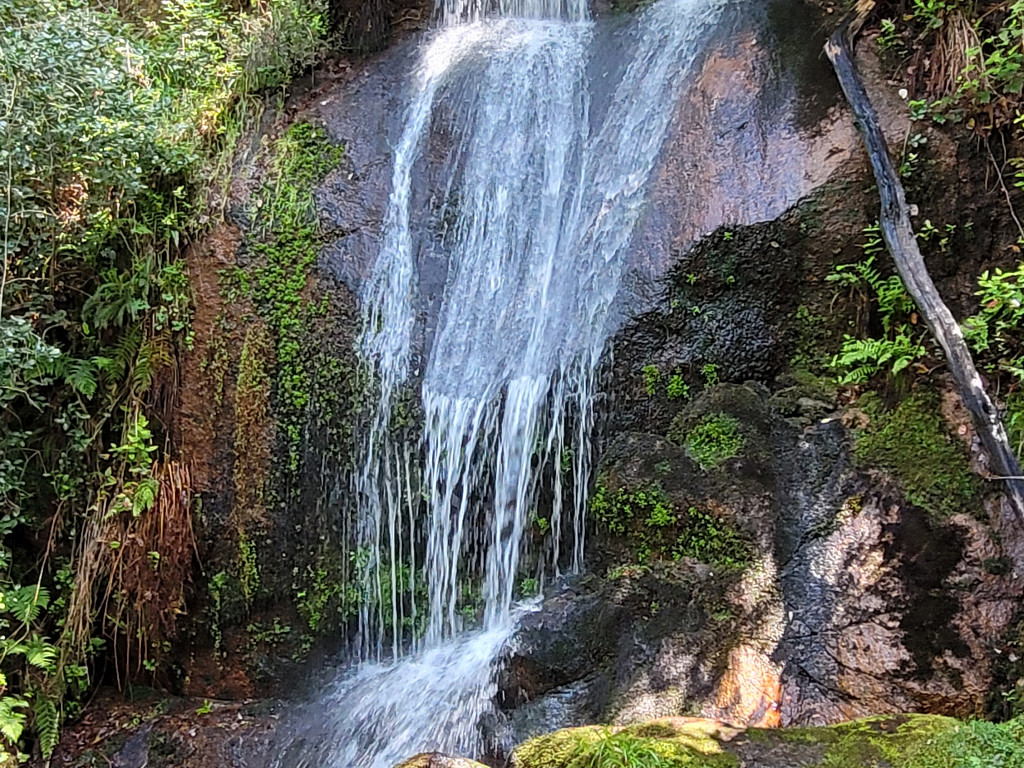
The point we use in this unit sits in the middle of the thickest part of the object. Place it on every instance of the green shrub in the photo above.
(115, 127)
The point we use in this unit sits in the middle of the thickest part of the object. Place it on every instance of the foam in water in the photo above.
(544, 197)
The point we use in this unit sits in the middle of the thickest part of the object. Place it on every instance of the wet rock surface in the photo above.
(851, 602)
(156, 731)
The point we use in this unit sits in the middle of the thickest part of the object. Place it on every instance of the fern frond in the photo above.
(47, 723)
(41, 654)
(12, 720)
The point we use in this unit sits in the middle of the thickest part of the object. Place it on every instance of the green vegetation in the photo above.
(616, 511)
(655, 530)
(908, 741)
(901, 342)
(677, 387)
(643, 746)
(994, 332)
(913, 443)
(118, 126)
(716, 438)
(707, 538)
(651, 378)
(287, 245)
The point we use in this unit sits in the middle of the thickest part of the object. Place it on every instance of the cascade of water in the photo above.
(544, 194)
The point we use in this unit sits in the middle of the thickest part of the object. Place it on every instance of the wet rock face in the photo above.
(849, 601)
(756, 131)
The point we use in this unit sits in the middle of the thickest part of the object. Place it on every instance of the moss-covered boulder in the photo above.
(903, 741)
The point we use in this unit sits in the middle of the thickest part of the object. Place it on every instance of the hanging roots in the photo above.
(133, 569)
(957, 52)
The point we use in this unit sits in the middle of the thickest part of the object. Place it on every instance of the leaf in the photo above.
(26, 603)
(41, 654)
(145, 495)
(47, 723)
(12, 721)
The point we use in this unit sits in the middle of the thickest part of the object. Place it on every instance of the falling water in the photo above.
(542, 192)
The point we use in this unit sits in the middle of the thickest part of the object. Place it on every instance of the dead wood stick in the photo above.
(899, 237)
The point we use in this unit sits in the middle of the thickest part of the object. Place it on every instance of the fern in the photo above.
(40, 654)
(26, 603)
(47, 722)
(901, 344)
(12, 719)
(864, 358)
(145, 495)
(121, 298)
(81, 376)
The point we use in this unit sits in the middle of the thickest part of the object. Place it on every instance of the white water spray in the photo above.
(543, 196)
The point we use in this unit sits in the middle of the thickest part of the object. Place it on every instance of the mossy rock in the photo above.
(914, 444)
(726, 422)
(904, 741)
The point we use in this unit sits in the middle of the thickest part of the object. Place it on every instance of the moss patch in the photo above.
(715, 439)
(652, 745)
(654, 529)
(913, 443)
(909, 741)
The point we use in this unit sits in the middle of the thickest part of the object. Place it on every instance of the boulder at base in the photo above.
(902, 741)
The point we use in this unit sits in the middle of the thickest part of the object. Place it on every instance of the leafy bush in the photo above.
(112, 129)
(994, 333)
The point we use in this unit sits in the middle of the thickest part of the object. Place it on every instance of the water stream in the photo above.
(549, 162)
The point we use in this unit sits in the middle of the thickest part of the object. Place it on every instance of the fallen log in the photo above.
(898, 233)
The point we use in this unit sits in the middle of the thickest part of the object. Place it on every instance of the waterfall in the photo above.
(541, 192)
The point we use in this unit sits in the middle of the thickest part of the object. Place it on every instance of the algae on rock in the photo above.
(901, 741)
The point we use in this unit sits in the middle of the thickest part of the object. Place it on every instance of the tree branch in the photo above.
(899, 237)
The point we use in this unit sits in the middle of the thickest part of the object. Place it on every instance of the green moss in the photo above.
(655, 530)
(248, 568)
(708, 538)
(651, 378)
(644, 746)
(914, 444)
(715, 439)
(617, 510)
(922, 741)
(905, 741)
(287, 242)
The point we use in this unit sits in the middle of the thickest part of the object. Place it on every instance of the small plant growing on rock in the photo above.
(651, 378)
(616, 510)
(677, 388)
(716, 439)
(709, 539)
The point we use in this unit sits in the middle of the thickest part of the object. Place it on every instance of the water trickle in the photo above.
(541, 194)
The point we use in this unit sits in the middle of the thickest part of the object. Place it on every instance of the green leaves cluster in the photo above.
(655, 528)
(995, 331)
(901, 342)
(716, 438)
(110, 132)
